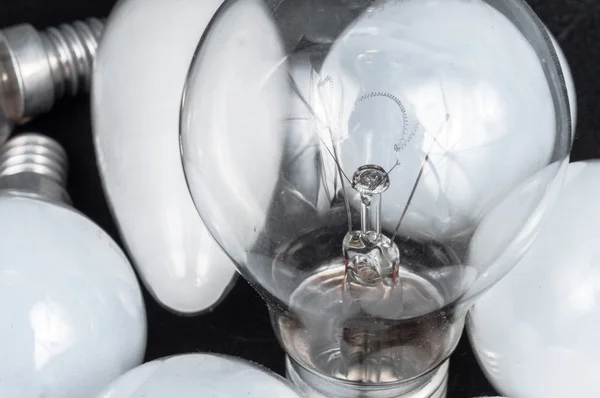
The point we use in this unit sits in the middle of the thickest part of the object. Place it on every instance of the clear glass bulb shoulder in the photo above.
(355, 160)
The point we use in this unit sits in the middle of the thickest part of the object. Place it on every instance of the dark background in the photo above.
(240, 325)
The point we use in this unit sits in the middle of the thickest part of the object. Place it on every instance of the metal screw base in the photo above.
(34, 165)
(39, 67)
(71, 50)
(313, 385)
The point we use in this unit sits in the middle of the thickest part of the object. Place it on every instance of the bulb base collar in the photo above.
(34, 165)
(312, 385)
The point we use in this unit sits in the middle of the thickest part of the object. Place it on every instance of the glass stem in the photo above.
(370, 212)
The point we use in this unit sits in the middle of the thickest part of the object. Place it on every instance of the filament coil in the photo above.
(407, 135)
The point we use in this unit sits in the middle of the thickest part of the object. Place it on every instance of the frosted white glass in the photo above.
(536, 332)
(200, 375)
(141, 68)
(73, 317)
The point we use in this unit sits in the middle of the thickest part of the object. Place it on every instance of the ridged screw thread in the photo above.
(34, 153)
(71, 50)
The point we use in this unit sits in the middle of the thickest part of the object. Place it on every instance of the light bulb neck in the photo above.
(313, 385)
(36, 166)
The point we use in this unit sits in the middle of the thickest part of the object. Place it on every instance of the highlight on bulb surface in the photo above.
(569, 83)
(535, 332)
(185, 376)
(355, 160)
(73, 316)
(135, 125)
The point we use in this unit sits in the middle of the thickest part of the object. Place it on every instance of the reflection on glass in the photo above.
(52, 334)
(358, 162)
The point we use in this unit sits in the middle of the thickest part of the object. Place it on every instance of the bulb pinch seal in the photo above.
(35, 164)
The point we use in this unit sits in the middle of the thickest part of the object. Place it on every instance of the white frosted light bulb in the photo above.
(452, 101)
(190, 375)
(73, 316)
(535, 333)
(141, 68)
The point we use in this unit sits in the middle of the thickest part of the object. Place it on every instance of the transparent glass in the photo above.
(354, 158)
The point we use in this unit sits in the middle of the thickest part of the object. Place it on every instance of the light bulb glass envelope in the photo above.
(569, 82)
(353, 158)
(535, 333)
(73, 316)
(185, 376)
(139, 76)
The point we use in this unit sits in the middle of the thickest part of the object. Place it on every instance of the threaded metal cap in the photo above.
(34, 153)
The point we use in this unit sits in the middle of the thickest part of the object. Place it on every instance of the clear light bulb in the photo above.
(185, 376)
(140, 73)
(354, 157)
(73, 315)
(535, 333)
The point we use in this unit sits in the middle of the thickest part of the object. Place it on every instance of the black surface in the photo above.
(240, 325)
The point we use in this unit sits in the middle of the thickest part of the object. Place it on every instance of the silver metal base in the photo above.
(36, 166)
(312, 385)
(40, 67)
